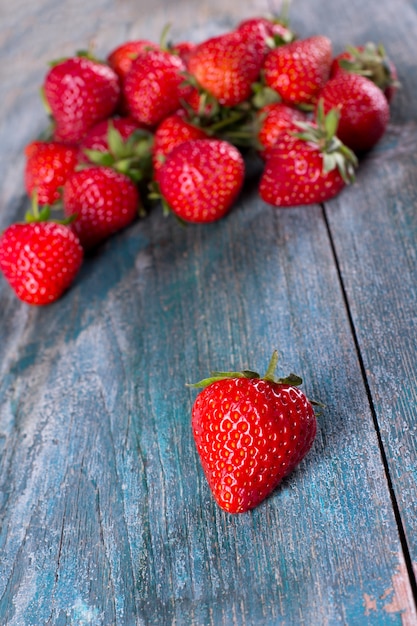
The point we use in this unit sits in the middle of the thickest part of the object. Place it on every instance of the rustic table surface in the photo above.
(105, 515)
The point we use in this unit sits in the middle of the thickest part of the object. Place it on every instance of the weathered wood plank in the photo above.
(374, 229)
(105, 515)
(375, 234)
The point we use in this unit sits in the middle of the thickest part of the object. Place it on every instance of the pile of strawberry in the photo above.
(172, 123)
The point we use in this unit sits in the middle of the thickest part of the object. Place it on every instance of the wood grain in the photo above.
(105, 516)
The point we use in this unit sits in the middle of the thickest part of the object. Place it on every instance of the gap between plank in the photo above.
(394, 501)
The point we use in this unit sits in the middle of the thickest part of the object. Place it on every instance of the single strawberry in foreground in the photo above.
(48, 165)
(250, 432)
(103, 201)
(80, 92)
(40, 260)
(371, 61)
(308, 167)
(298, 70)
(364, 110)
(201, 179)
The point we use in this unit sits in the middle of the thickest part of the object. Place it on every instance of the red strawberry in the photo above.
(250, 433)
(172, 131)
(309, 168)
(39, 260)
(371, 61)
(201, 179)
(298, 70)
(227, 65)
(364, 110)
(48, 165)
(104, 202)
(274, 119)
(80, 92)
(272, 32)
(121, 58)
(184, 50)
(153, 86)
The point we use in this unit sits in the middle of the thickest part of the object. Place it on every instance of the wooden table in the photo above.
(105, 515)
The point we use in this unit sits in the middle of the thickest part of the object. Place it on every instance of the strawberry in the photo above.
(39, 260)
(184, 50)
(364, 110)
(371, 61)
(273, 120)
(103, 200)
(307, 167)
(48, 165)
(250, 432)
(273, 32)
(172, 131)
(201, 179)
(79, 92)
(227, 65)
(153, 86)
(120, 59)
(298, 70)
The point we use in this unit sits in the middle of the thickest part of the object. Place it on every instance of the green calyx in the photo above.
(263, 95)
(132, 157)
(292, 379)
(323, 133)
(43, 213)
(372, 62)
(230, 123)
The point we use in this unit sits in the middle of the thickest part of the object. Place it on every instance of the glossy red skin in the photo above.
(171, 132)
(104, 201)
(48, 165)
(153, 86)
(364, 110)
(277, 118)
(297, 71)
(80, 92)
(260, 28)
(184, 50)
(265, 29)
(293, 174)
(120, 59)
(201, 179)
(250, 434)
(40, 260)
(227, 65)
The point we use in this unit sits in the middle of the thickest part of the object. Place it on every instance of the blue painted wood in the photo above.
(105, 516)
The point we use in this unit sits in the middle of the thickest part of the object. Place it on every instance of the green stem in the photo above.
(272, 366)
